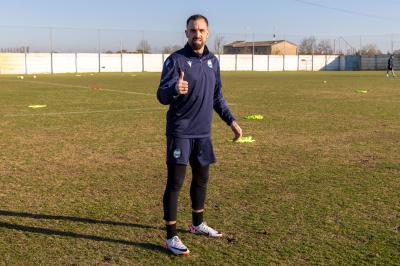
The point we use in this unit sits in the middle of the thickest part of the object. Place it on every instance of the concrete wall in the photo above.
(227, 62)
(244, 62)
(87, 63)
(64, 63)
(291, 62)
(261, 63)
(132, 63)
(34, 63)
(110, 63)
(276, 63)
(38, 63)
(12, 63)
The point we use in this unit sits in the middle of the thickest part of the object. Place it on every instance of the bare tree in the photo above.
(219, 44)
(324, 47)
(370, 49)
(307, 45)
(170, 49)
(144, 47)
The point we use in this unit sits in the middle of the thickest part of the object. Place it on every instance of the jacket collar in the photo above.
(189, 51)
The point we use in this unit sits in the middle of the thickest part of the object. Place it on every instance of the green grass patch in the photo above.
(81, 181)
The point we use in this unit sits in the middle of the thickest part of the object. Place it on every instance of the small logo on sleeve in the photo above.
(209, 64)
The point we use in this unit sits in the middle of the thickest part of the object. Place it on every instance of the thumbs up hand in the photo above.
(182, 86)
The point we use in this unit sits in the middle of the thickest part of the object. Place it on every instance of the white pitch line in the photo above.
(80, 87)
(129, 92)
(86, 112)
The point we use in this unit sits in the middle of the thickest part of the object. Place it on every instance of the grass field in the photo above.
(82, 179)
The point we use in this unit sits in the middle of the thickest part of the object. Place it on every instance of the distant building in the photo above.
(278, 47)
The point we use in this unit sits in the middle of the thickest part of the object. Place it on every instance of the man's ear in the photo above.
(186, 33)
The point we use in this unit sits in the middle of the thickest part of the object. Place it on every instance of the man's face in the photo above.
(197, 33)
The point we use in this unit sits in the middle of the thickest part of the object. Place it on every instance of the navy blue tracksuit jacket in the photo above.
(190, 115)
(390, 63)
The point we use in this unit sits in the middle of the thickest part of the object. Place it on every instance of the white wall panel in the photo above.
(291, 62)
(305, 62)
(244, 62)
(153, 62)
(275, 63)
(261, 63)
(88, 62)
(12, 63)
(38, 63)
(132, 63)
(319, 62)
(110, 63)
(227, 62)
(64, 63)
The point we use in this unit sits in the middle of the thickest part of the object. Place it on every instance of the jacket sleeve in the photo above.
(167, 92)
(220, 105)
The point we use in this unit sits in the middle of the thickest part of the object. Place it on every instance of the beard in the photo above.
(197, 45)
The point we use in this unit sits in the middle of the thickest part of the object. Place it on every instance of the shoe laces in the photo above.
(176, 242)
(206, 228)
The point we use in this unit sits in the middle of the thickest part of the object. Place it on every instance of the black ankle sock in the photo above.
(197, 218)
(171, 230)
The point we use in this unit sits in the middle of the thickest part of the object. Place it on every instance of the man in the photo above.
(191, 86)
(390, 66)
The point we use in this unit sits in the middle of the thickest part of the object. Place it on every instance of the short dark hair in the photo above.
(196, 17)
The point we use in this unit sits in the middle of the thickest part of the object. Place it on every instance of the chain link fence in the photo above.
(73, 40)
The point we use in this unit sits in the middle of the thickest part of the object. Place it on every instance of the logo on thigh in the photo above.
(177, 153)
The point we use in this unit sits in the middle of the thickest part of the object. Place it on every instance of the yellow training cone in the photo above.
(248, 139)
(254, 117)
(36, 106)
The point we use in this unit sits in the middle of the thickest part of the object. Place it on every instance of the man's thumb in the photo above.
(181, 75)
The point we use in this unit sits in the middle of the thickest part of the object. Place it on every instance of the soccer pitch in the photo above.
(82, 178)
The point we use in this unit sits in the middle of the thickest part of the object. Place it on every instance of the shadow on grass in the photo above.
(78, 219)
(73, 219)
(47, 231)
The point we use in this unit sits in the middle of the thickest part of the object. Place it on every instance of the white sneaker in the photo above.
(204, 229)
(387, 75)
(176, 246)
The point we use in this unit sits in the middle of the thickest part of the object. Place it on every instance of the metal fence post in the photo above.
(99, 48)
(283, 63)
(26, 61)
(76, 62)
(142, 51)
(252, 56)
(51, 49)
(120, 50)
(236, 62)
(298, 62)
(312, 62)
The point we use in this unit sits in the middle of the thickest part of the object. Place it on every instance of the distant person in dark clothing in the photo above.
(390, 66)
